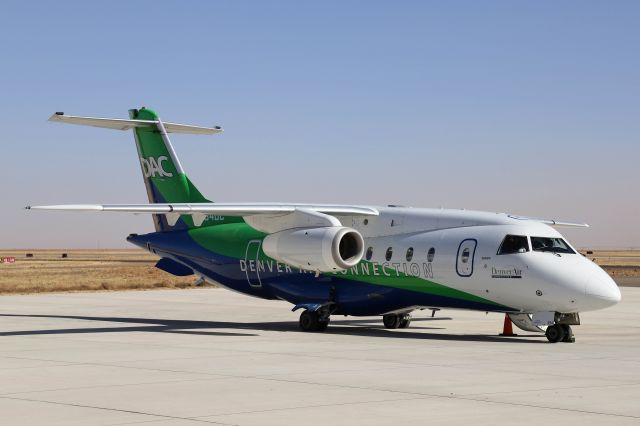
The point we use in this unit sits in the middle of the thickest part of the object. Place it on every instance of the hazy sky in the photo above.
(527, 107)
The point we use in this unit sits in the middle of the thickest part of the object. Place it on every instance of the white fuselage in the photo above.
(466, 246)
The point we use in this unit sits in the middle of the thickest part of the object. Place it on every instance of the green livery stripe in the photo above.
(390, 278)
(227, 239)
(231, 240)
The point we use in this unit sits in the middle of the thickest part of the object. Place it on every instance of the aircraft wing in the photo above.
(565, 224)
(551, 222)
(267, 217)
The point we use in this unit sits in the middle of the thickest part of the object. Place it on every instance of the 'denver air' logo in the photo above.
(152, 167)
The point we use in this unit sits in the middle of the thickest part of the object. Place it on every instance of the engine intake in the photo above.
(325, 249)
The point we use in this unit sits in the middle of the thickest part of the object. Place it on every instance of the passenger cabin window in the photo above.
(409, 254)
(431, 254)
(554, 245)
(514, 244)
(389, 253)
(369, 253)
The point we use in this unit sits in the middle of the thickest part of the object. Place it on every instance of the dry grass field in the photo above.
(84, 270)
(622, 265)
(87, 270)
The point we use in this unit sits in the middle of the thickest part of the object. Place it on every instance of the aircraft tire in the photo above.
(391, 321)
(405, 321)
(568, 334)
(555, 333)
(322, 325)
(309, 321)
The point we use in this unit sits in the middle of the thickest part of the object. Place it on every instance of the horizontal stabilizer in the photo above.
(128, 124)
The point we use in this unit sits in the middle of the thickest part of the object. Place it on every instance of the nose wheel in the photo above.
(560, 333)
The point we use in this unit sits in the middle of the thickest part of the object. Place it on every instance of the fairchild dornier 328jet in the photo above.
(356, 260)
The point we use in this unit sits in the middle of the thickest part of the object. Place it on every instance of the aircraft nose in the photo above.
(601, 287)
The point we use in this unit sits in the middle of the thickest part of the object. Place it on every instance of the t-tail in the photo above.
(164, 178)
(163, 175)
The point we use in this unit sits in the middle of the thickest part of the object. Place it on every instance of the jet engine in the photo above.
(326, 249)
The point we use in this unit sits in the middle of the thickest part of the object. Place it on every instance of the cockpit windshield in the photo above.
(514, 244)
(554, 245)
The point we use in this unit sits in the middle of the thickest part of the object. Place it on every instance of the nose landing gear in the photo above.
(560, 333)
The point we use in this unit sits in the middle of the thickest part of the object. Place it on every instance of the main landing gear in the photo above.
(392, 321)
(560, 333)
(313, 321)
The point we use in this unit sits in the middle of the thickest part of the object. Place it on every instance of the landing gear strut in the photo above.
(560, 333)
(313, 321)
(396, 320)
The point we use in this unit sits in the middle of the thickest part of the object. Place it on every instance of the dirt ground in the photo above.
(85, 270)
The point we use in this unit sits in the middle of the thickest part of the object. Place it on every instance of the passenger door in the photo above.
(465, 257)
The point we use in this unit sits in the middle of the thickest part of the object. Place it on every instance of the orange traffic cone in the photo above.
(507, 328)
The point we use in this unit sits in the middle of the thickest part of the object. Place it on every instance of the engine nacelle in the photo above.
(326, 249)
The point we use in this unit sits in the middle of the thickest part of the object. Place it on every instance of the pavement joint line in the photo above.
(427, 395)
(274, 377)
(417, 394)
(140, 422)
(302, 407)
(114, 385)
(616, 385)
(95, 407)
(421, 395)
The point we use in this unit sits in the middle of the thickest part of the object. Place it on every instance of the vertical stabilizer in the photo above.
(163, 175)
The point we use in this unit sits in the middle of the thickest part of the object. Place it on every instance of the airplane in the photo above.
(356, 260)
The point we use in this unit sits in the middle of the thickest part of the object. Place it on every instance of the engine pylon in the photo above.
(507, 328)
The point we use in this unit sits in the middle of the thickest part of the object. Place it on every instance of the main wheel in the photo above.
(309, 321)
(405, 321)
(391, 320)
(568, 334)
(555, 333)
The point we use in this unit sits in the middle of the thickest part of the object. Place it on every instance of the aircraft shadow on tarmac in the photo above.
(353, 327)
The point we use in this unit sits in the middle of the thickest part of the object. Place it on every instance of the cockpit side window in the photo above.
(514, 244)
(554, 245)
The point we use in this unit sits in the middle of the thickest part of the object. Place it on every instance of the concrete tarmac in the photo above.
(187, 357)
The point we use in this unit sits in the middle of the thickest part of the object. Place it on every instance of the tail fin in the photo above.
(164, 177)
